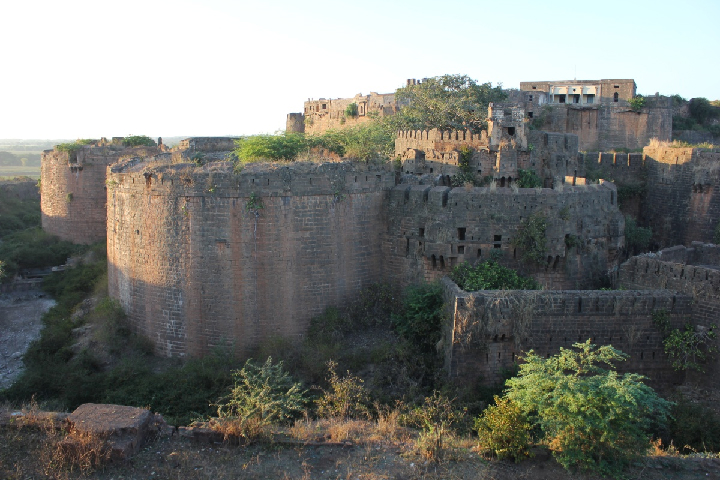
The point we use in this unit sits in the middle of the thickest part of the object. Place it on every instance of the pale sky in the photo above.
(86, 69)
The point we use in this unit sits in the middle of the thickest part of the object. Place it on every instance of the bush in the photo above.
(490, 275)
(421, 319)
(689, 347)
(262, 395)
(528, 179)
(281, 146)
(347, 398)
(435, 417)
(503, 429)
(693, 427)
(637, 103)
(593, 418)
(531, 239)
(33, 248)
(637, 238)
(138, 141)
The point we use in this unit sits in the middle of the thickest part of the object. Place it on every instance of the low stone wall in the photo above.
(488, 331)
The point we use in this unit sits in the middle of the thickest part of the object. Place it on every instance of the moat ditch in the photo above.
(20, 323)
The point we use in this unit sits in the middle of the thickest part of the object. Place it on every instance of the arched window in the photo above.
(615, 97)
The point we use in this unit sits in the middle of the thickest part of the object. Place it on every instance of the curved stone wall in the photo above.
(201, 257)
(72, 190)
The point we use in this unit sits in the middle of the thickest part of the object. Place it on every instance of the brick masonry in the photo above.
(489, 331)
(196, 263)
(73, 190)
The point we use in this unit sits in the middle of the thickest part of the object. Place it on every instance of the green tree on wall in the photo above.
(447, 102)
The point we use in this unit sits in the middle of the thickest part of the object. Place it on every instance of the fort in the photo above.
(599, 112)
(202, 255)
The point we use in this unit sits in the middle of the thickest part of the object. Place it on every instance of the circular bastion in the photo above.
(203, 256)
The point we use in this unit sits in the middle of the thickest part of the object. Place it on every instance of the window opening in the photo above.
(511, 131)
(461, 233)
(461, 250)
(530, 114)
(615, 97)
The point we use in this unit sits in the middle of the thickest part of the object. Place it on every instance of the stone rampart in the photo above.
(673, 269)
(20, 189)
(683, 194)
(431, 229)
(201, 257)
(73, 190)
(489, 330)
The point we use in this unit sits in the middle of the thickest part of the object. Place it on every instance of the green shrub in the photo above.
(504, 430)
(490, 275)
(592, 418)
(693, 428)
(283, 146)
(637, 238)
(688, 347)
(637, 103)
(421, 318)
(346, 398)
(33, 248)
(530, 238)
(138, 141)
(528, 179)
(262, 395)
(351, 110)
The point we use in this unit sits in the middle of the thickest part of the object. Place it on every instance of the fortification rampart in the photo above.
(73, 190)
(20, 189)
(683, 194)
(673, 269)
(432, 229)
(553, 156)
(204, 257)
(489, 330)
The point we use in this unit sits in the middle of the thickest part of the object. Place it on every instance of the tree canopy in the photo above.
(446, 102)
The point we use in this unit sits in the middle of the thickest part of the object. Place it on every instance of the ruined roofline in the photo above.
(604, 80)
(438, 134)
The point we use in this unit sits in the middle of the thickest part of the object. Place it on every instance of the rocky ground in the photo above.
(20, 323)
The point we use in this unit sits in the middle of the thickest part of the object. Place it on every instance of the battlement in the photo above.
(159, 176)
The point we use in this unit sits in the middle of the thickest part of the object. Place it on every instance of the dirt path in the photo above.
(20, 323)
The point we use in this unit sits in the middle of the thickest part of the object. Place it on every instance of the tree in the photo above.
(447, 102)
(593, 418)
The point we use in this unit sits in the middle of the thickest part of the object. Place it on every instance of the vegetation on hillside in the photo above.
(23, 244)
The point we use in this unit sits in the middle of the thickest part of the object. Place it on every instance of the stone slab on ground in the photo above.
(124, 428)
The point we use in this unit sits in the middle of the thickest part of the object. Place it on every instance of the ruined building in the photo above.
(325, 114)
(597, 111)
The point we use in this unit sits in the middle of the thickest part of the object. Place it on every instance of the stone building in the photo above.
(325, 114)
(598, 112)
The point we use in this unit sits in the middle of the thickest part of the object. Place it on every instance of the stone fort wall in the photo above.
(202, 257)
(691, 271)
(683, 194)
(432, 229)
(489, 330)
(73, 190)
